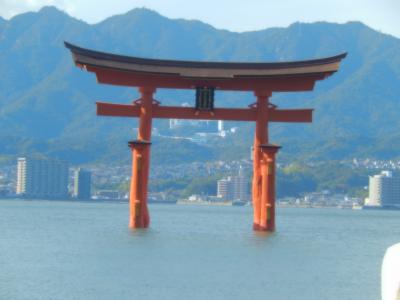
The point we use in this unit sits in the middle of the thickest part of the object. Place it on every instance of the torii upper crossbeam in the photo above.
(261, 78)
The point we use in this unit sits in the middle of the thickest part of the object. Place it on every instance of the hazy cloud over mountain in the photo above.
(10, 8)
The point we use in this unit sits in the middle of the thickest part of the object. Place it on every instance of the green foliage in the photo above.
(202, 186)
(164, 185)
(184, 187)
(297, 179)
(293, 169)
(295, 183)
(47, 104)
(124, 186)
(171, 151)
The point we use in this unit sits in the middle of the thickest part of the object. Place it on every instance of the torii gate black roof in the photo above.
(187, 74)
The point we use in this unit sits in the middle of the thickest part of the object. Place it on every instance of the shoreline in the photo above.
(198, 203)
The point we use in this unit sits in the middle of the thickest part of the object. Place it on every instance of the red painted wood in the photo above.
(225, 114)
(260, 138)
(139, 214)
(268, 194)
(117, 110)
(273, 83)
(107, 68)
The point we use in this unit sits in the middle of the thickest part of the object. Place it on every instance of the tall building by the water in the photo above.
(233, 188)
(42, 178)
(82, 184)
(384, 190)
(224, 189)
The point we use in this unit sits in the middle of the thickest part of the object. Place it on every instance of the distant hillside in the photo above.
(47, 104)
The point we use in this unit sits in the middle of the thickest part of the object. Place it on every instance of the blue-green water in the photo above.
(66, 250)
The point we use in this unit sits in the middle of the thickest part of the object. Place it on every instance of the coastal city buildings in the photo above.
(42, 178)
(107, 177)
(107, 194)
(384, 190)
(82, 184)
(233, 188)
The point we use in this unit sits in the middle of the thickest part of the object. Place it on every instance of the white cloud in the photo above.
(10, 8)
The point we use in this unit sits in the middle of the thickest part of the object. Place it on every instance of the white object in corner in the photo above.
(391, 273)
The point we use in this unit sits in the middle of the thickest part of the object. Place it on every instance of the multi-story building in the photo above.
(224, 189)
(42, 178)
(233, 188)
(240, 190)
(82, 184)
(384, 190)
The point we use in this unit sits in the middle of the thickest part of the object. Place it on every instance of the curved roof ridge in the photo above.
(201, 64)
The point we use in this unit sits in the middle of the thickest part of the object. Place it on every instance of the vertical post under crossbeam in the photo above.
(267, 222)
(139, 214)
(261, 137)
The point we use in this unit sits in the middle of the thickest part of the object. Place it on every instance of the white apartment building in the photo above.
(82, 184)
(42, 178)
(384, 190)
(224, 189)
(233, 188)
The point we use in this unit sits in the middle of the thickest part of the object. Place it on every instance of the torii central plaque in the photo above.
(205, 77)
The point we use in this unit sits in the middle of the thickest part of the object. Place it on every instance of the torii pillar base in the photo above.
(267, 199)
(138, 211)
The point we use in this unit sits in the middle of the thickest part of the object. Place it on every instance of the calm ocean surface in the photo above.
(66, 250)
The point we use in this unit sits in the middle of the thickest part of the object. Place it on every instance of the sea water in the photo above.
(77, 250)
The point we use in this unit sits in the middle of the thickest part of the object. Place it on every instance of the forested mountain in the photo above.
(47, 104)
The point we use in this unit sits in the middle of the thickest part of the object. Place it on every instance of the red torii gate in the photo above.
(205, 77)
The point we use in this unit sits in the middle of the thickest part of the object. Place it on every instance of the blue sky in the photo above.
(382, 15)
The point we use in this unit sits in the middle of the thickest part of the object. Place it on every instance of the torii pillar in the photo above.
(263, 186)
(138, 212)
(268, 188)
(206, 77)
(260, 138)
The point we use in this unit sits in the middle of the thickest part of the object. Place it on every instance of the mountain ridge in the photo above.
(45, 100)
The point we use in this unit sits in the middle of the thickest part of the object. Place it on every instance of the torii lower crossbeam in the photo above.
(188, 113)
(146, 108)
(262, 78)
